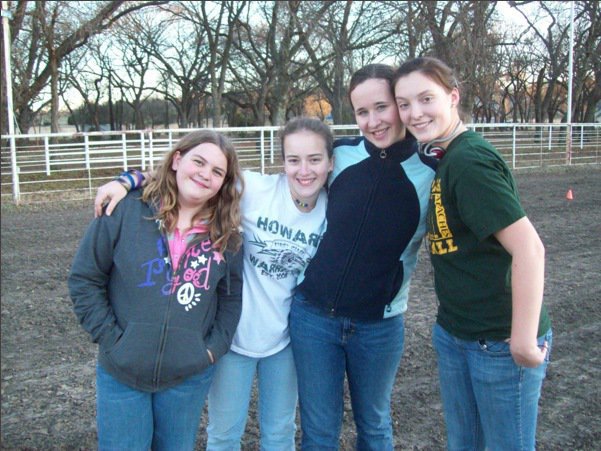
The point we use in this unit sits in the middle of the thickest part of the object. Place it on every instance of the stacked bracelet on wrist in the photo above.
(139, 177)
(128, 182)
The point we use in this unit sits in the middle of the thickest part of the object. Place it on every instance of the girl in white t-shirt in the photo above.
(283, 220)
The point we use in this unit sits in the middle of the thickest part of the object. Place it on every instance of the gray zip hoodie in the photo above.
(153, 325)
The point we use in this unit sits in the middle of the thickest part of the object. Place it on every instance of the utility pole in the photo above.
(570, 80)
(6, 16)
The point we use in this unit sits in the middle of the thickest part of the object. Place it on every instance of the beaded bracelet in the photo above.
(139, 177)
(126, 176)
(124, 183)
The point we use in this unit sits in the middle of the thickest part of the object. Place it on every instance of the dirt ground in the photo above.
(48, 362)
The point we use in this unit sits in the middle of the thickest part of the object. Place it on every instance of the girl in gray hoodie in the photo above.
(158, 286)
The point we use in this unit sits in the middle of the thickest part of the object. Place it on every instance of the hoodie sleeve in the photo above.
(229, 306)
(89, 278)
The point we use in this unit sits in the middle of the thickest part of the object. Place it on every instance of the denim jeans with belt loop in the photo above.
(326, 348)
(488, 400)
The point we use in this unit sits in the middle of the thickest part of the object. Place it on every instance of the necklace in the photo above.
(431, 149)
(301, 204)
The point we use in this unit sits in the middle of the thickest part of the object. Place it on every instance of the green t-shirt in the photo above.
(473, 196)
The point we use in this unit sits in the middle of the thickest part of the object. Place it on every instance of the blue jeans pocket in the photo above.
(499, 348)
(548, 339)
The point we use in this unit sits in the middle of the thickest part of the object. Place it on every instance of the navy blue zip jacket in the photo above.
(377, 203)
(153, 325)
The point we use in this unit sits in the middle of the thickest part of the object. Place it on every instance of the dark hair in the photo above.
(371, 71)
(309, 124)
(433, 68)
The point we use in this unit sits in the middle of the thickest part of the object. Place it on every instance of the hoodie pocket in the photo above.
(185, 353)
(135, 353)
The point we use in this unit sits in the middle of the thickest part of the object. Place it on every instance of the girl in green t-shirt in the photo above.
(492, 334)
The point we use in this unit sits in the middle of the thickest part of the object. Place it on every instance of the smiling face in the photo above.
(376, 113)
(427, 109)
(200, 173)
(306, 164)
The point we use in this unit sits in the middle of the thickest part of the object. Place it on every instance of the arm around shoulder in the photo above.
(111, 193)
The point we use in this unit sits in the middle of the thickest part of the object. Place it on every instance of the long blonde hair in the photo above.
(221, 212)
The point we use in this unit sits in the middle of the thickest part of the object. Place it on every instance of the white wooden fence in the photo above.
(39, 167)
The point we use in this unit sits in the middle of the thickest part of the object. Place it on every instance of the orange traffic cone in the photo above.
(570, 195)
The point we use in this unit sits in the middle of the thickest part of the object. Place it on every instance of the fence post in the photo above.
(541, 154)
(569, 144)
(47, 155)
(150, 148)
(86, 151)
(15, 169)
(143, 153)
(271, 146)
(6, 16)
(550, 137)
(513, 150)
(262, 151)
(86, 147)
(124, 149)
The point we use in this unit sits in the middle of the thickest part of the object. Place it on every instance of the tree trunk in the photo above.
(216, 99)
(167, 119)
(111, 114)
(53, 92)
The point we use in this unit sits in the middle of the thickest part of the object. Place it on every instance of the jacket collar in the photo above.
(398, 151)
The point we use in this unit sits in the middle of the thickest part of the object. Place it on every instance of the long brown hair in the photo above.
(222, 211)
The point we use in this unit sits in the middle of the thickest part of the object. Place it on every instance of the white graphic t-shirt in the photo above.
(279, 242)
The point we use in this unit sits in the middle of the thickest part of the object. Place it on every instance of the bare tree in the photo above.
(462, 35)
(218, 20)
(26, 44)
(516, 97)
(179, 51)
(411, 35)
(332, 34)
(587, 61)
(264, 59)
(83, 74)
(266, 62)
(41, 41)
(130, 65)
(552, 33)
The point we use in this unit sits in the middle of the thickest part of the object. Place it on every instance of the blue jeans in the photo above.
(327, 347)
(230, 394)
(130, 419)
(488, 400)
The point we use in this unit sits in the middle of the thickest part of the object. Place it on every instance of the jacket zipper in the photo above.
(357, 239)
(163, 337)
